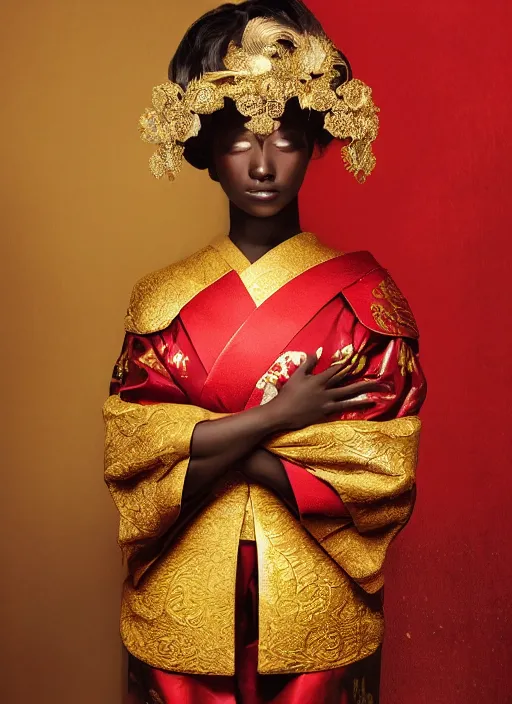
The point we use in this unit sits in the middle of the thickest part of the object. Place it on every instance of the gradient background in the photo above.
(83, 219)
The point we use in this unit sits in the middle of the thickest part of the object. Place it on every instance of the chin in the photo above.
(263, 210)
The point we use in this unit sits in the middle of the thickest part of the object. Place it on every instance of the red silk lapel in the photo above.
(213, 316)
(267, 331)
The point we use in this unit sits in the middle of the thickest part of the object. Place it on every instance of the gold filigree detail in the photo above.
(179, 361)
(158, 297)
(350, 362)
(392, 312)
(150, 359)
(406, 359)
(272, 65)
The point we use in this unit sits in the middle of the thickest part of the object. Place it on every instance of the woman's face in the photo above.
(260, 175)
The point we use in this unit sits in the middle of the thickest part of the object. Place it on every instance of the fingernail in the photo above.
(319, 352)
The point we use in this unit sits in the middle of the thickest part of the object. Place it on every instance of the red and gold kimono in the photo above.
(237, 599)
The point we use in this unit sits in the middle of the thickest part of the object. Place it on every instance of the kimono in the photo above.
(236, 599)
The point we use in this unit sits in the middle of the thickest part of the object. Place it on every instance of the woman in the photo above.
(261, 429)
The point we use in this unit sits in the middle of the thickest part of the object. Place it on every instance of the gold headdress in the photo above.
(273, 64)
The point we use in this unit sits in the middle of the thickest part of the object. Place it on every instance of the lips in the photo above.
(263, 193)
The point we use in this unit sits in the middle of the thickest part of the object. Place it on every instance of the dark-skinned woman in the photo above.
(262, 422)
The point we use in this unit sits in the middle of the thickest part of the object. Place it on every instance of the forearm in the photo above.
(219, 444)
(264, 468)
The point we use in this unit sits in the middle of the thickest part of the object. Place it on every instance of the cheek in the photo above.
(231, 170)
(294, 167)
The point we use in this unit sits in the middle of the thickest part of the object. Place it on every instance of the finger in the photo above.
(337, 378)
(350, 403)
(359, 387)
(309, 364)
(330, 372)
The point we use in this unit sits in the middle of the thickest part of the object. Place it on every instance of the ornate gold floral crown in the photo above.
(273, 64)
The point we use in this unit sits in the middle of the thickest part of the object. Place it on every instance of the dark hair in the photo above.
(205, 44)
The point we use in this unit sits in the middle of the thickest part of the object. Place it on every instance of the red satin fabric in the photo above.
(281, 316)
(340, 686)
(311, 494)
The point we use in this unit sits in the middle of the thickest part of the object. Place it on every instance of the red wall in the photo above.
(437, 212)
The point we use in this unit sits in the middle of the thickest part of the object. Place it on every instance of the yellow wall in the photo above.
(82, 220)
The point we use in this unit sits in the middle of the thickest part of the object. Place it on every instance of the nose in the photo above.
(261, 167)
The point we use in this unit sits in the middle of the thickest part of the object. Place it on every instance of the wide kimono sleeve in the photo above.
(149, 426)
(367, 456)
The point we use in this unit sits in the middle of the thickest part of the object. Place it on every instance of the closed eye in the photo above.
(283, 143)
(291, 139)
(242, 145)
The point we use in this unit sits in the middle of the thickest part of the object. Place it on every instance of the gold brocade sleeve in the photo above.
(147, 450)
(179, 615)
(371, 465)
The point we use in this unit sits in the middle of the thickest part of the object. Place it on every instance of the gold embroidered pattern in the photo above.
(179, 361)
(180, 617)
(150, 359)
(392, 312)
(383, 452)
(158, 297)
(230, 252)
(406, 359)
(321, 526)
(371, 465)
(350, 362)
(178, 609)
(282, 263)
(310, 616)
(146, 458)
(272, 65)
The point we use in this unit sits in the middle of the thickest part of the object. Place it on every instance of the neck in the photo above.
(255, 236)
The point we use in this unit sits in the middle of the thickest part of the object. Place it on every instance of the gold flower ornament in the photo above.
(272, 65)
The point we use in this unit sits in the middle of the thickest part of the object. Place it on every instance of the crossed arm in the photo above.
(306, 398)
(236, 440)
(217, 445)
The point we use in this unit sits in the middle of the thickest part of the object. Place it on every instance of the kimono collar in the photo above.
(278, 266)
(159, 297)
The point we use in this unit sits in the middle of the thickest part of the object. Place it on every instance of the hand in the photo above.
(308, 398)
(262, 467)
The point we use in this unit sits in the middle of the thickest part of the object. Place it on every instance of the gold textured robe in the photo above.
(319, 577)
